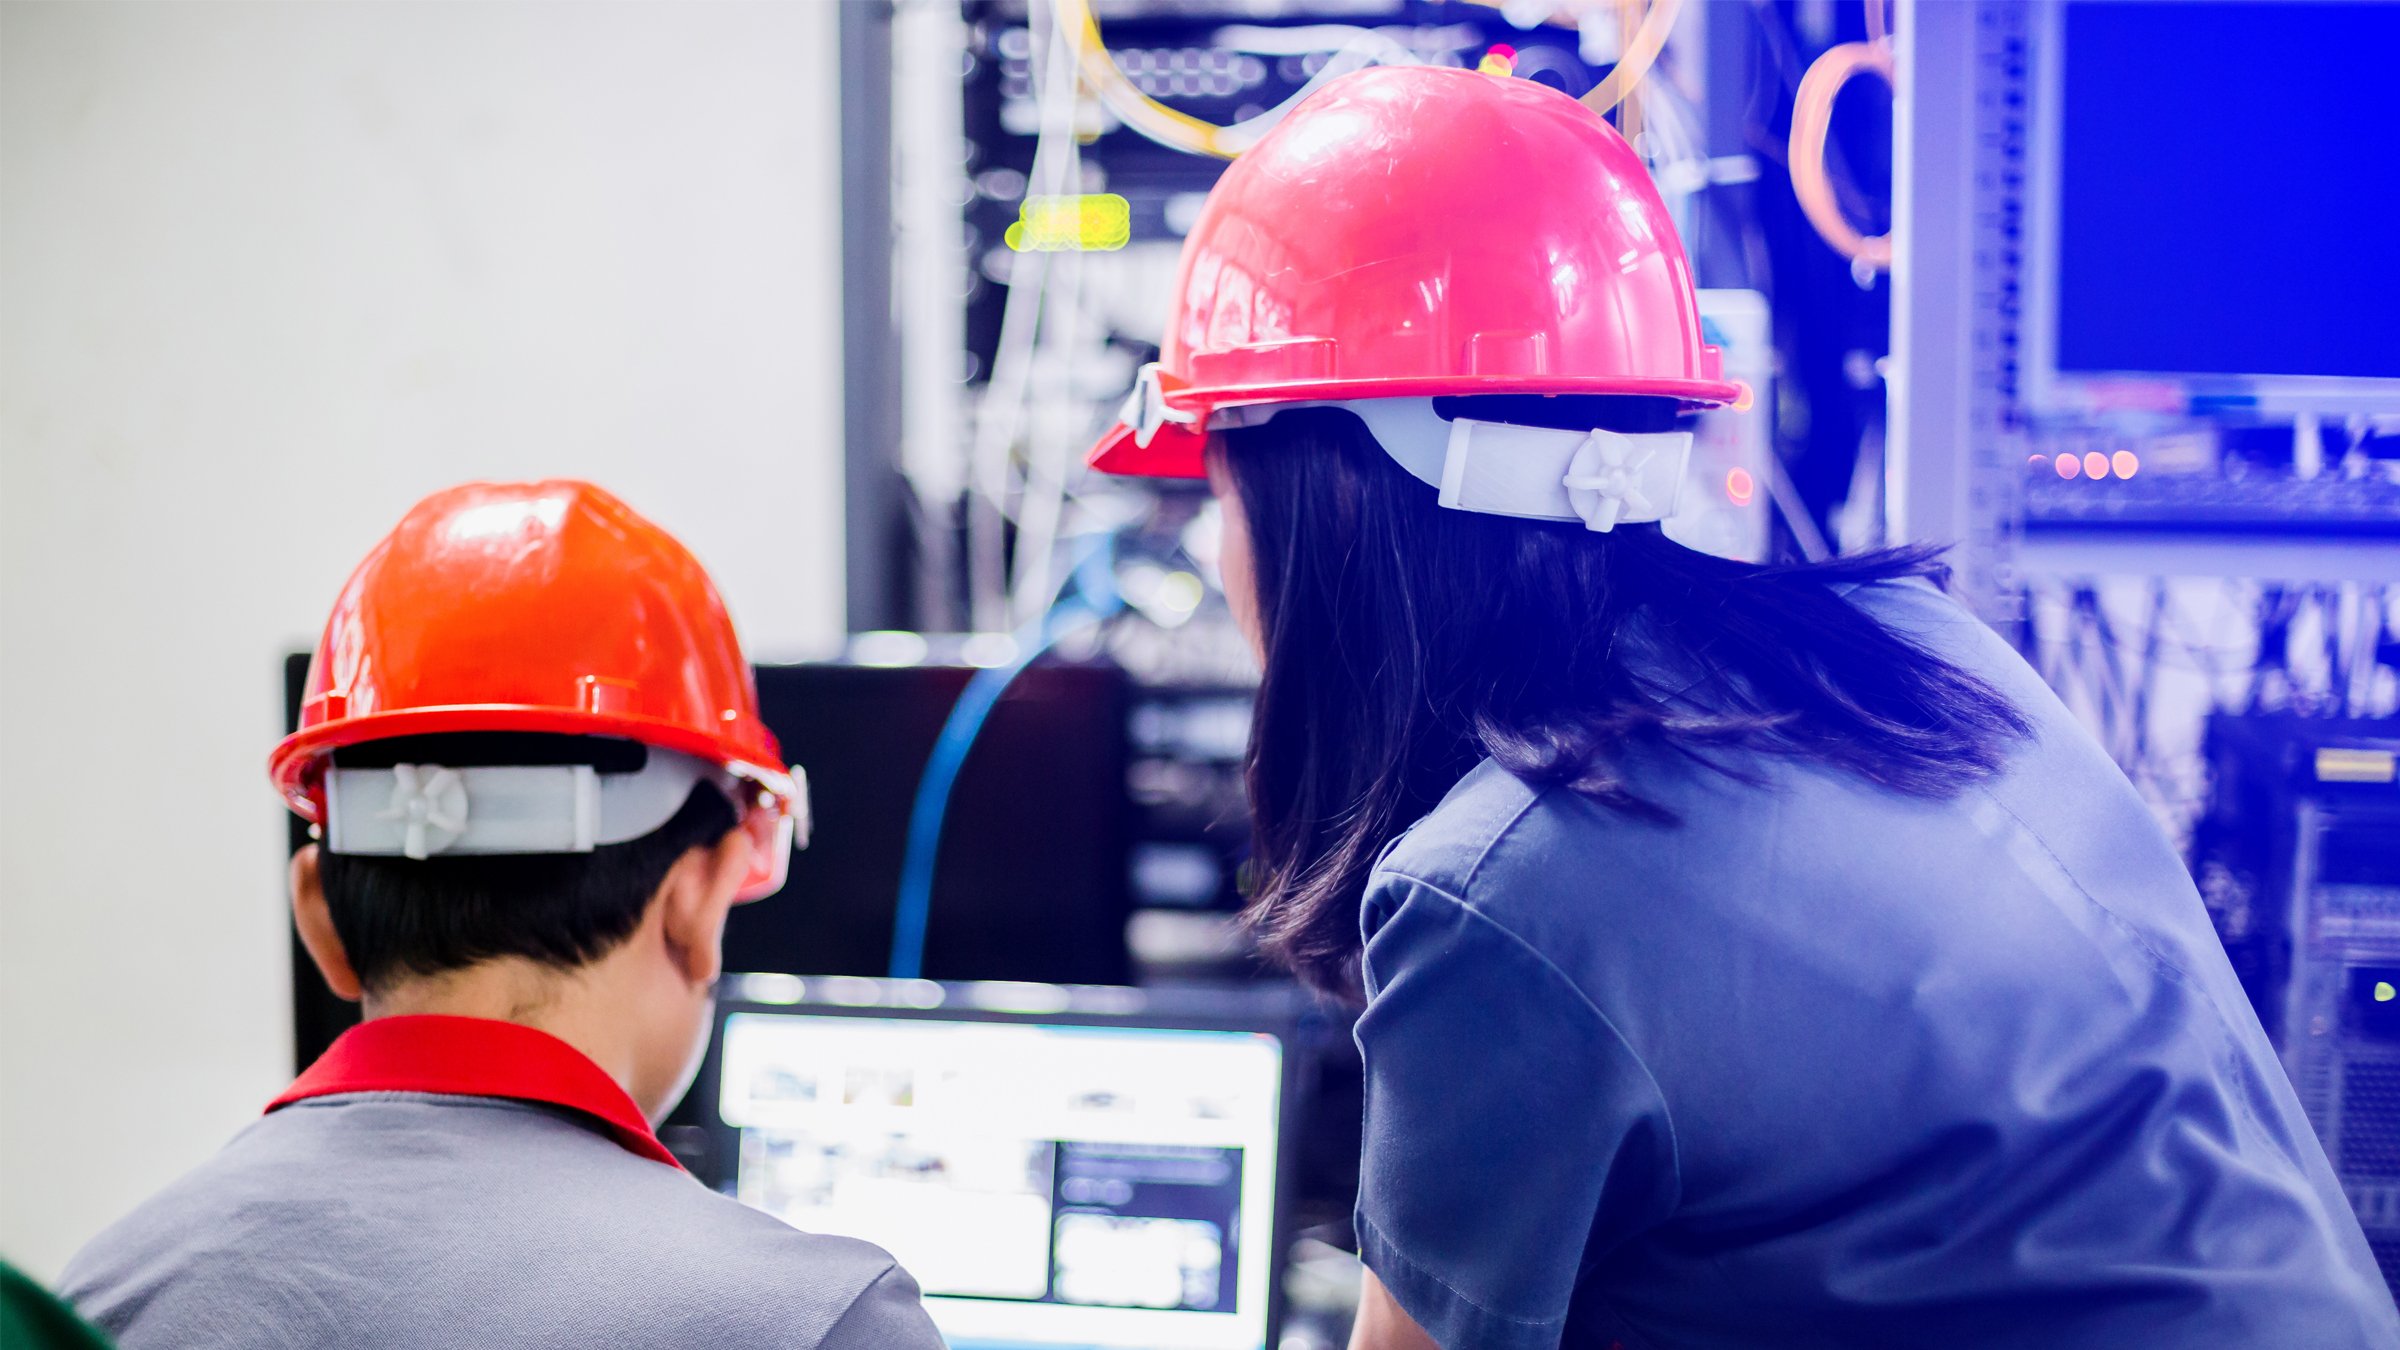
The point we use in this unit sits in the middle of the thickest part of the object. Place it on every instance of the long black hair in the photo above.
(1406, 642)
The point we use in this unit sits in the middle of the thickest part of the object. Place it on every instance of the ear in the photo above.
(315, 922)
(693, 902)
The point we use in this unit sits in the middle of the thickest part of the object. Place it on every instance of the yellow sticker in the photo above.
(1093, 222)
(2337, 764)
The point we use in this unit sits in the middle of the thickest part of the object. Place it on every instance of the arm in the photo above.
(1513, 1138)
(1382, 1323)
(888, 1315)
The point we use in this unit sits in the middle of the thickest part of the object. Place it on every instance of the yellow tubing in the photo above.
(1640, 54)
(1143, 113)
(1183, 131)
(1812, 117)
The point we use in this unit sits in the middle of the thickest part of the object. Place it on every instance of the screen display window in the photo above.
(2192, 241)
(1046, 1185)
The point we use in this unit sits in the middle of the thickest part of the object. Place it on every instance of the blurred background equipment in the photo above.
(1047, 765)
(2299, 860)
(2147, 373)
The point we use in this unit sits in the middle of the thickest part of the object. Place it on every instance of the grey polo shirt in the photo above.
(415, 1221)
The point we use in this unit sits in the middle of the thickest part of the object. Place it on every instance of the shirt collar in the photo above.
(476, 1057)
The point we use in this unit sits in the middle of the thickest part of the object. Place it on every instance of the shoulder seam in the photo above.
(851, 1308)
(1533, 798)
(1666, 1110)
(2164, 964)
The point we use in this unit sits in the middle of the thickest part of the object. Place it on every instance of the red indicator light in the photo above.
(2069, 467)
(2095, 464)
(2125, 463)
(1738, 486)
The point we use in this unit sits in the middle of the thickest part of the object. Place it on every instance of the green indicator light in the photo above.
(2384, 992)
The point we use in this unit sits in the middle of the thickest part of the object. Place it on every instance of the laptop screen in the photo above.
(1049, 1181)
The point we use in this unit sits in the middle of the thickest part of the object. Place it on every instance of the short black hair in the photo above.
(400, 917)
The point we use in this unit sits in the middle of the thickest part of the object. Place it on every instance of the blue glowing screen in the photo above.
(2229, 189)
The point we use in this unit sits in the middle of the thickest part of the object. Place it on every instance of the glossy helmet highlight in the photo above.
(546, 607)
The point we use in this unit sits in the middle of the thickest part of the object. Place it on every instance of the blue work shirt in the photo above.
(1827, 1065)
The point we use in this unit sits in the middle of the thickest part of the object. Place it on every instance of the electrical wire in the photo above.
(1641, 52)
(1812, 119)
(1042, 505)
(1088, 598)
(999, 422)
(1179, 130)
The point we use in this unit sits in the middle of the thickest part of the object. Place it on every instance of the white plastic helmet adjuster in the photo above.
(422, 811)
(1601, 479)
(1604, 480)
(1146, 410)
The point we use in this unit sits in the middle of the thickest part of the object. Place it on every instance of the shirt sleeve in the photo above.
(1511, 1135)
(888, 1315)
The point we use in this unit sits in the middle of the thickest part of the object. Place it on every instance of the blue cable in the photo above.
(1088, 597)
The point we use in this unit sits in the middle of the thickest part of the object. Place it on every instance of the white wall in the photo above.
(268, 273)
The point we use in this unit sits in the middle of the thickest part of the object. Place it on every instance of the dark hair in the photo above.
(399, 917)
(1406, 642)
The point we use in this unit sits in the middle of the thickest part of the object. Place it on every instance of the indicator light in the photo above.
(1093, 222)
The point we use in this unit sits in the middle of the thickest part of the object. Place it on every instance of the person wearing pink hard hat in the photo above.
(1749, 955)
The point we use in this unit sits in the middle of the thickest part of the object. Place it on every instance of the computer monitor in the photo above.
(1031, 877)
(2209, 215)
(1057, 1167)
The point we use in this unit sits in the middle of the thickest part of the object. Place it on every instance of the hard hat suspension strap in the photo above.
(1601, 478)
(423, 810)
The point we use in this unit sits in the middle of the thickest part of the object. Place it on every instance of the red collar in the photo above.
(475, 1057)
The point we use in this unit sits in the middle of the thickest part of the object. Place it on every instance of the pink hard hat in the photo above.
(1418, 231)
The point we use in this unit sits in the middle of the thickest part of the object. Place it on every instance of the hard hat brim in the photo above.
(1178, 450)
(297, 763)
(1175, 452)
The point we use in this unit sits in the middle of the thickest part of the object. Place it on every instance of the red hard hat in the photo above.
(1418, 231)
(538, 607)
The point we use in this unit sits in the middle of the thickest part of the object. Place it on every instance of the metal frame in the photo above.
(1957, 442)
(876, 529)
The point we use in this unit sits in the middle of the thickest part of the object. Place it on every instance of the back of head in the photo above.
(402, 918)
(528, 704)
(1404, 642)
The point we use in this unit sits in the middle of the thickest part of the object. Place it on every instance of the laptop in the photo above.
(1060, 1167)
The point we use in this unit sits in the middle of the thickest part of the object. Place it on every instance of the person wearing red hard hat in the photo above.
(1749, 955)
(530, 748)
